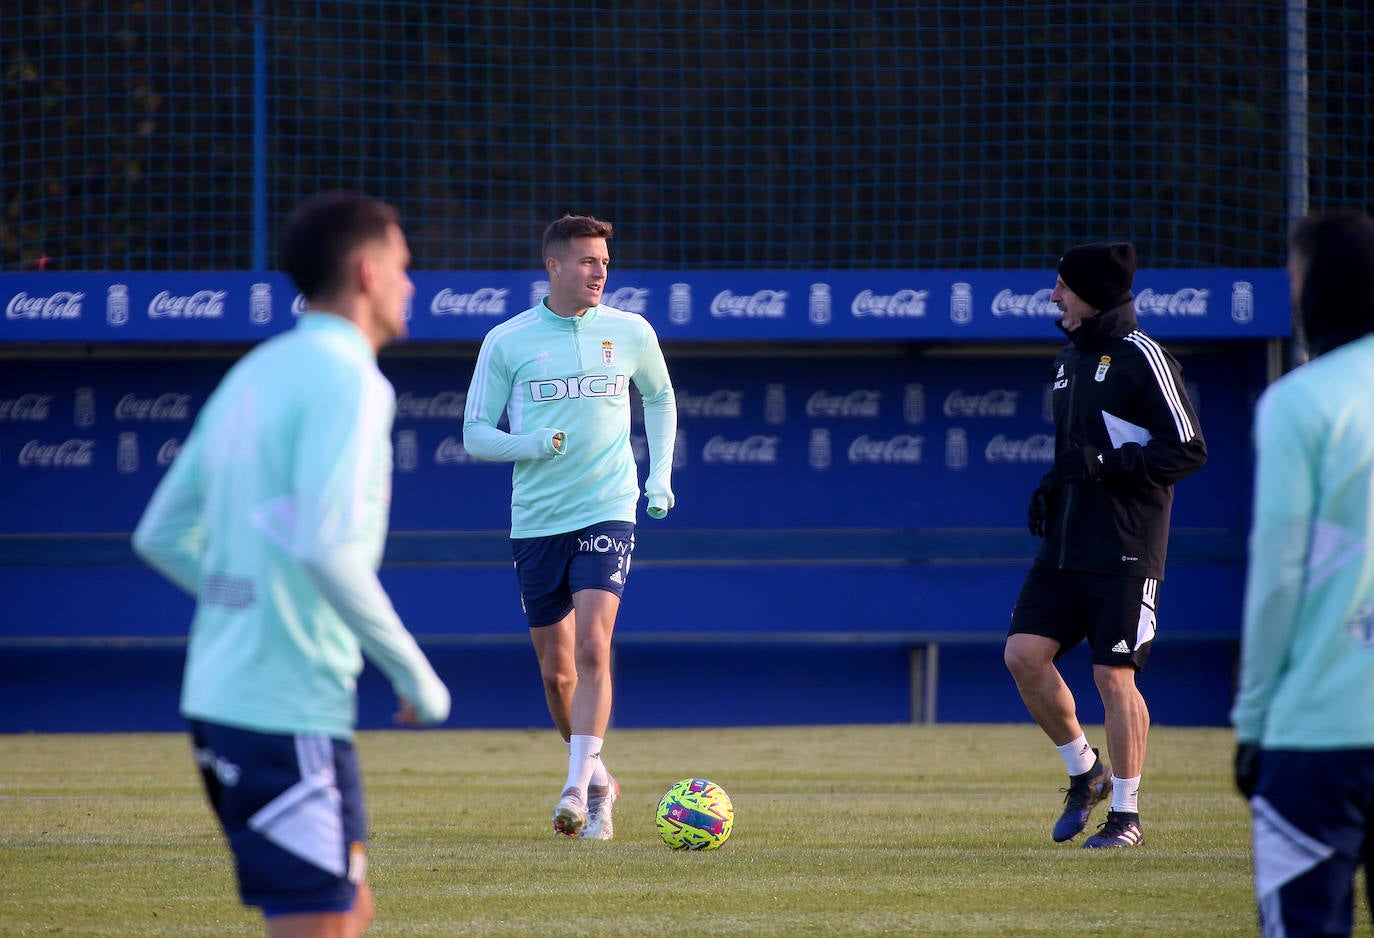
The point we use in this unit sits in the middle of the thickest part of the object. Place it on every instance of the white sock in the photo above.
(1126, 794)
(1078, 755)
(584, 752)
(600, 776)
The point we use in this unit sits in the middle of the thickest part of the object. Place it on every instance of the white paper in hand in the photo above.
(1123, 431)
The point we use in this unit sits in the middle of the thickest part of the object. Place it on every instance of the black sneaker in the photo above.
(1083, 794)
(1119, 830)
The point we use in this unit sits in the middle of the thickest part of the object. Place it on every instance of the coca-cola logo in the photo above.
(488, 301)
(630, 299)
(1186, 302)
(904, 304)
(32, 408)
(69, 454)
(860, 403)
(65, 304)
(1007, 303)
(999, 402)
(168, 452)
(720, 403)
(1036, 448)
(170, 406)
(203, 304)
(765, 304)
(446, 405)
(756, 450)
(451, 452)
(903, 448)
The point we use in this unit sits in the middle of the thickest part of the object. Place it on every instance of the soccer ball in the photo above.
(695, 814)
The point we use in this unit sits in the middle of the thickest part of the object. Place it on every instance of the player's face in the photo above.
(391, 287)
(1073, 306)
(577, 274)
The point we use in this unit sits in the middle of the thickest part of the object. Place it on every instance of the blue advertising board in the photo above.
(809, 441)
(829, 490)
(982, 305)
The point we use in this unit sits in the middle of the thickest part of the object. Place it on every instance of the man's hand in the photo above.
(1079, 464)
(1247, 768)
(405, 714)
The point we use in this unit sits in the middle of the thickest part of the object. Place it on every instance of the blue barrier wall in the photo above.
(841, 511)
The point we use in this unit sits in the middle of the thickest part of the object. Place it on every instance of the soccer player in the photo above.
(1125, 432)
(273, 517)
(1304, 711)
(561, 373)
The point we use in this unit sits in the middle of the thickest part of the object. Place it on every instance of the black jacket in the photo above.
(1119, 391)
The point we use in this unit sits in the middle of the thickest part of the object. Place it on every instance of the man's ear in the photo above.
(363, 267)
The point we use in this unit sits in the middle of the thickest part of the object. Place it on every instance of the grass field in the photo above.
(849, 830)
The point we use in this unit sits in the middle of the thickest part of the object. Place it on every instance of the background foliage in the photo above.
(146, 134)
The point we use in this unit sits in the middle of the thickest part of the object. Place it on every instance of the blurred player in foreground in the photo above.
(273, 517)
(561, 373)
(1125, 432)
(1304, 712)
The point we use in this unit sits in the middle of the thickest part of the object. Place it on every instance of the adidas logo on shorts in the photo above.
(1121, 648)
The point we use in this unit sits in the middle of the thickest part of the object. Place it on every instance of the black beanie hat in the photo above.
(1337, 300)
(1101, 272)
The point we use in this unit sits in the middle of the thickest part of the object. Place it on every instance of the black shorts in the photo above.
(1307, 849)
(550, 569)
(292, 810)
(1116, 614)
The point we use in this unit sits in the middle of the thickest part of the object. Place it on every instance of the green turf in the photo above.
(849, 830)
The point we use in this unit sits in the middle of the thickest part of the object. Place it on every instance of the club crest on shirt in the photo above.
(607, 352)
(1102, 367)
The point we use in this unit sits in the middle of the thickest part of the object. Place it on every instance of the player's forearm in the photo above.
(487, 442)
(660, 430)
(169, 538)
(1273, 597)
(350, 586)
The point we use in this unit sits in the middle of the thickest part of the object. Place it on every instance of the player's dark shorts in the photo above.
(550, 569)
(292, 811)
(1116, 614)
(1312, 827)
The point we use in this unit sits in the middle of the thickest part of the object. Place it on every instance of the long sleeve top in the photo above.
(551, 374)
(1307, 649)
(274, 516)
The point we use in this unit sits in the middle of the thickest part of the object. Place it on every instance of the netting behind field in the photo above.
(743, 134)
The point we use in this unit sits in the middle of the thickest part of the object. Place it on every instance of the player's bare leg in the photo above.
(553, 646)
(1127, 718)
(1030, 659)
(594, 613)
(1128, 727)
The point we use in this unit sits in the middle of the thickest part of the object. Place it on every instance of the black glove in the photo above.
(1038, 512)
(1079, 464)
(1247, 768)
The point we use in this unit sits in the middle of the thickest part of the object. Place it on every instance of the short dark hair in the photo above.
(1336, 251)
(321, 233)
(563, 230)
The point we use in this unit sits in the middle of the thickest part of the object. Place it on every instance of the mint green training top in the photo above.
(1307, 656)
(551, 374)
(274, 517)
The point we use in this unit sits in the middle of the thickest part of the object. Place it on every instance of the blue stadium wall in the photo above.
(853, 461)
